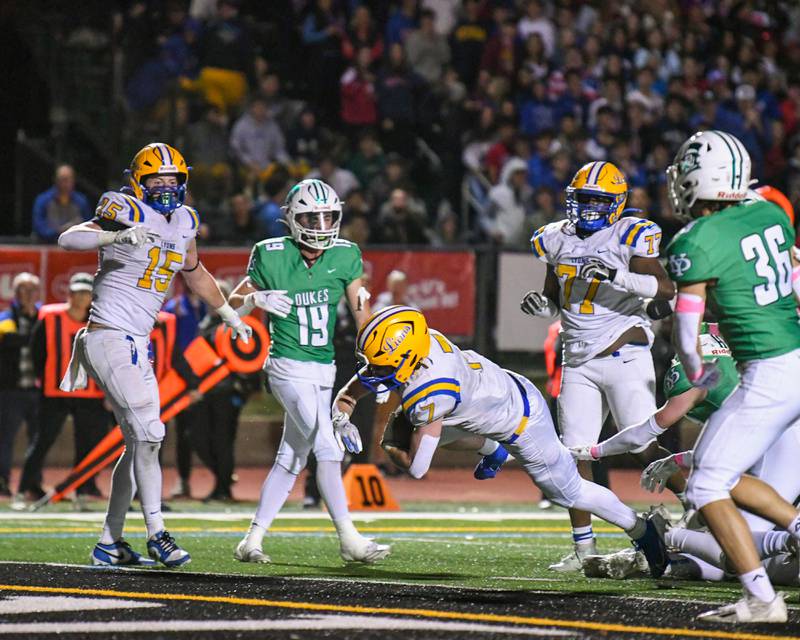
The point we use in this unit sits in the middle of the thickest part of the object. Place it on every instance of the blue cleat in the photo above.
(489, 465)
(651, 544)
(163, 548)
(118, 553)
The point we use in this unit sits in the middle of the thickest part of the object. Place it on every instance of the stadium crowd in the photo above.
(441, 121)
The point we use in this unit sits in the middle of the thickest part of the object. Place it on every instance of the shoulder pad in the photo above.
(120, 207)
(194, 219)
(540, 237)
(632, 229)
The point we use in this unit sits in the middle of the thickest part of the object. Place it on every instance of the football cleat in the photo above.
(363, 549)
(616, 566)
(489, 465)
(573, 563)
(163, 548)
(245, 553)
(118, 553)
(749, 609)
(652, 543)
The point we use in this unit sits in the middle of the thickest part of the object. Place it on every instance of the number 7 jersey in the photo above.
(594, 313)
(743, 252)
(306, 334)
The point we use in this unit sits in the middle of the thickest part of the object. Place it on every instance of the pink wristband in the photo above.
(595, 452)
(795, 273)
(679, 460)
(689, 303)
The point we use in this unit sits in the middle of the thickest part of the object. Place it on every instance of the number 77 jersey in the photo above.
(306, 334)
(594, 313)
(743, 253)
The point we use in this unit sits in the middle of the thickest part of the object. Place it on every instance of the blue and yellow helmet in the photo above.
(159, 159)
(392, 342)
(596, 196)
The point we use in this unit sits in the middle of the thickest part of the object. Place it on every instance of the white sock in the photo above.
(794, 527)
(123, 486)
(756, 583)
(684, 565)
(274, 491)
(147, 472)
(488, 448)
(771, 543)
(255, 535)
(331, 488)
(582, 535)
(697, 543)
(601, 502)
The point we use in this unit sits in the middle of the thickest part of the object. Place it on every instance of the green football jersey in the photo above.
(744, 251)
(306, 334)
(676, 383)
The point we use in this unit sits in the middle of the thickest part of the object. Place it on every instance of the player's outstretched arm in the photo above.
(358, 299)
(689, 311)
(639, 435)
(88, 235)
(665, 288)
(199, 280)
(544, 304)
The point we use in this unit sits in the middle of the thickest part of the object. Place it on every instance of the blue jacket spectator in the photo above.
(60, 207)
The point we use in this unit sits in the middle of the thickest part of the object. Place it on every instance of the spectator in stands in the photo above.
(60, 207)
(394, 176)
(402, 220)
(322, 34)
(19, 397)
(535, 21)
(501, 56)
(538, 111)
(396, 291)
(342, 180)
(283, 110)
(544, 209)
(500, 151)
(508, 206)
(362, 34)
(206, 148)
(400, 93)
(467, 41)
(358, 98)
(242, 228)
(90, 418)
(269, 212)
(226, 59)
(257, 141)
(402, 22)
(446, 233)
(305, 142)
(368, 162)
(427, 51)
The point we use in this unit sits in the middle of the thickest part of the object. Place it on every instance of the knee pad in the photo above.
(293, 459)
(705, 486)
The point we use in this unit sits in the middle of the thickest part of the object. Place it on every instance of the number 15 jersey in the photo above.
(594, 313)
(132, 282)
(743, 252)
(306, 334)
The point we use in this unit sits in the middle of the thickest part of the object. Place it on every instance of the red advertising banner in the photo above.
(442, 284)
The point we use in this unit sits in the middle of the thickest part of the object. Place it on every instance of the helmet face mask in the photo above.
(711, 166)
(314, 213)
(163, 198)
(596, 196)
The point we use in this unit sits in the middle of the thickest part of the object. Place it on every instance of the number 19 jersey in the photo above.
(743, 252)
(594, 313)
(306, 334)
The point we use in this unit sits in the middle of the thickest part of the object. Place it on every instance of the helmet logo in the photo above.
(679, 264)
(618, 179)
(392, 342)
(690, 160)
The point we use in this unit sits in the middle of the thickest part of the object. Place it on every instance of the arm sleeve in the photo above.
(423, 457)
(629, 439)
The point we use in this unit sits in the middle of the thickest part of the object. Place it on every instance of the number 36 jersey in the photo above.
(743, 252)
(594, 313)
(306, 334)
(132, 282)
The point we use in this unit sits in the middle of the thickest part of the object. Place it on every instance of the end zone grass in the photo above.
(508, 551)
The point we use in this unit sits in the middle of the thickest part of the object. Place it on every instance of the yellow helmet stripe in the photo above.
(440, 386)
(136, 214)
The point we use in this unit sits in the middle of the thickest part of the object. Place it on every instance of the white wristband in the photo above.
(228, 315)
(641, 284)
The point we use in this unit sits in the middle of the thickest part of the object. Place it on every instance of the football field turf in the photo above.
(481, 571)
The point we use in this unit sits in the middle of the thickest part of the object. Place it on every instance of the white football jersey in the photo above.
(594, 313)
(468, 391)
(132, 282)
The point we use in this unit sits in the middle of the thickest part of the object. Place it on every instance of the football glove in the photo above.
(275, 302)
(658, 309)
(583, 452)
(594, 269)
(346, 433)
(655, 476)
(135, 236)
(240, 329)
(538, 305)
(709, 375)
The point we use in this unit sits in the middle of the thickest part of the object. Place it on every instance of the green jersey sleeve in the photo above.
(258, 266)
(687, 260)
(357, 265)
